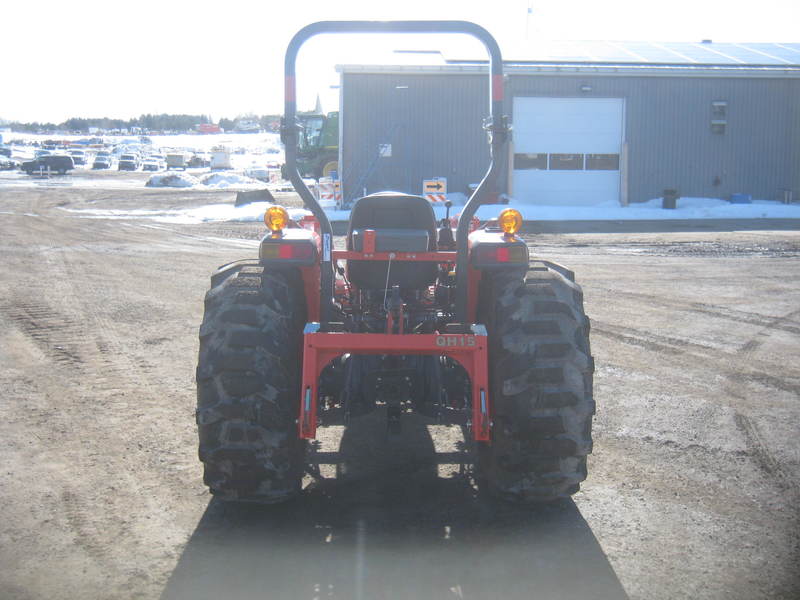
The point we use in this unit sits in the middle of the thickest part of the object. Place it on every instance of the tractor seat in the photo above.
(402, 223)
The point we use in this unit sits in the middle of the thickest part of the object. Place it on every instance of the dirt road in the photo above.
(693, 488)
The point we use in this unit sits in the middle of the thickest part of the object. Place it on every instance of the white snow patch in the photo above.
(687, 209)
(212, 213)
(177, 180)
(229, 180)
(694, 208)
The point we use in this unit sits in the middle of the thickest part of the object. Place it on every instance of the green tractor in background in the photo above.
(318, 144)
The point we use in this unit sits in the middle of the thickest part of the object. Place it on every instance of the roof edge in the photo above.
(566, 69)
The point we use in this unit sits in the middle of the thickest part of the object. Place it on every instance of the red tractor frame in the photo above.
(319, 347)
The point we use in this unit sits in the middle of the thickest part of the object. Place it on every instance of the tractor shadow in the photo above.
(391, 527)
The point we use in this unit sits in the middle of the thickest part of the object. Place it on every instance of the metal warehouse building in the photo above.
(592, 122)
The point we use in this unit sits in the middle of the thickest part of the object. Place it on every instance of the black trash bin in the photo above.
(670, 199)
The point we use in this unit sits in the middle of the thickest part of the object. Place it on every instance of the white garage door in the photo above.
(567, 150)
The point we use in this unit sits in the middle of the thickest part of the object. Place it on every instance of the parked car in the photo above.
(53, 163)
(78, 157)
(220, 158)
(199, 160)
(152, 164)
(128, 162)
(8, 164)
(176, 160)
(102, 161)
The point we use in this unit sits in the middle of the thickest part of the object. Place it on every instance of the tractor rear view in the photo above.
(413, 315)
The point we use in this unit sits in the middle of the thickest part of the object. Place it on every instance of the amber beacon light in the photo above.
(276, 218)
(510, 221)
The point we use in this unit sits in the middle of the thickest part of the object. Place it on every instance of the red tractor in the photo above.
(412, 315)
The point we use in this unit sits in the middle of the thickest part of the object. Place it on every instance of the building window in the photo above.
(602, 162)
(718, 126)
(535, 162)
(566, 162)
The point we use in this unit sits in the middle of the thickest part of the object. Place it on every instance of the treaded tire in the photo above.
(540, 373)
(248, 384)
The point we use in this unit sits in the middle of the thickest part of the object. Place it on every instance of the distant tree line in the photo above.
(265, 122)
(162, 122)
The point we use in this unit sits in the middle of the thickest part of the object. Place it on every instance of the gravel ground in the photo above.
(692, 492)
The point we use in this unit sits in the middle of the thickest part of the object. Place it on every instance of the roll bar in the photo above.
(496, 126)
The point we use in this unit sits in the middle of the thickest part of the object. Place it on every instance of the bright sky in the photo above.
(90, 58)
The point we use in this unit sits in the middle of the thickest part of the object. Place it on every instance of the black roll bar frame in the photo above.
(496, 126)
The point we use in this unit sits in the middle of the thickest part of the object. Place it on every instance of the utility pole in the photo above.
(528, 14)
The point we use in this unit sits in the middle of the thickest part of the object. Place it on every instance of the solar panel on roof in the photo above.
(621, 54)
(753, 55)
(740, 55)
(665, 55)
(766, 53)
(699, 53)
(788, 52)
(605, 51)
(677, 53)
(659, 53)
(577, 50)
(590, 50)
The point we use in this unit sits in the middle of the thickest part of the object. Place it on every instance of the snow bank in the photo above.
(176, 180)
(228, 180)
(216, 213)
(688, 209)
(218, 181)
(212, 213)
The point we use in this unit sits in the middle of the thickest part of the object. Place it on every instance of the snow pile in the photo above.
(217, 181)
(176, 180)
(686, 209)
(228, 180)
(215, 213)
(212, 213)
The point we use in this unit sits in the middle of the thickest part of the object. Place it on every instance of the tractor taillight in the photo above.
(485, 255)
(287, 251)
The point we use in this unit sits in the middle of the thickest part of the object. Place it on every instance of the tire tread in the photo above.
(247, 384)
(541, 382)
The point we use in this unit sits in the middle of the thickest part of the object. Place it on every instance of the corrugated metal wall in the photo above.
(433, 122)
(795, 137)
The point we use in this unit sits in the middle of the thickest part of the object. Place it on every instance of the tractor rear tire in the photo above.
(248, 384)
(540, 373)
(329, 167)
